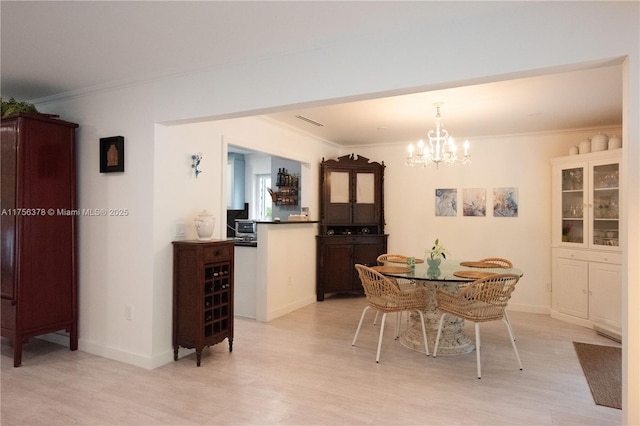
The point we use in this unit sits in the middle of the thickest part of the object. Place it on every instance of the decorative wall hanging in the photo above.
(112, 154)
(505, 202)
(446, 202)
(196, 162)
(474, 202)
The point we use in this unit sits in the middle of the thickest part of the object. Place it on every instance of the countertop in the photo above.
(285, 222)
(246, 243)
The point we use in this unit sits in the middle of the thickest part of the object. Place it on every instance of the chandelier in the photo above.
(441, 148)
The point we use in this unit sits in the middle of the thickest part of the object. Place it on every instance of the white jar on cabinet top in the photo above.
(204, 225)
(585, 146)
(615, 142)
(599, 142)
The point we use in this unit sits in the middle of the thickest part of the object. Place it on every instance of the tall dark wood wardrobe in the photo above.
(351, 222)
(38, 224)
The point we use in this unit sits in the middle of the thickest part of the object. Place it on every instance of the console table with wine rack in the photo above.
(202, 294)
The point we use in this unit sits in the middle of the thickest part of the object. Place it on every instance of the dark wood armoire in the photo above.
(351, 222)
(38, 225)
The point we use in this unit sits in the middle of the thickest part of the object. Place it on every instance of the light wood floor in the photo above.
(302, 370)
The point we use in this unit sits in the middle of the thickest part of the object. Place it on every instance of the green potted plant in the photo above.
(436, 254)
(12, 107)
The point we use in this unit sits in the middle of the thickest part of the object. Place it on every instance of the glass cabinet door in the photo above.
(605, 203)
(365, 188)
(573, 202)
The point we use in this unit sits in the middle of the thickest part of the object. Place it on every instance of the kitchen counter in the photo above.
(273, 278)
(285, 222)
(245, 243)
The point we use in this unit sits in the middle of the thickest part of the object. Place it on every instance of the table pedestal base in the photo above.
(453, 340)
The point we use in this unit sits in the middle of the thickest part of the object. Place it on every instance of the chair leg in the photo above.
(424, 332)
(384, 317)
(435, 349)
(506, 317)
(398, 319)
(513, 340)
(478, 347)
(375, 318)
(364, 311)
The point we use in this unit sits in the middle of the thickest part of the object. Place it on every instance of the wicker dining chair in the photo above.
(503, 263)
(384, 295)
(506, 264)
(479, 301)
(392, 258)
(404, 283)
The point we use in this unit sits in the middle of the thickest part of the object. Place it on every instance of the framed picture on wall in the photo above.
(446, 202)
(112, 154)
(505, 202)
(474, 202)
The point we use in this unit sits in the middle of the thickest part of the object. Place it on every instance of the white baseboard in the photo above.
(59, 338)
(609, 332)
(531, 309)
(277, 313)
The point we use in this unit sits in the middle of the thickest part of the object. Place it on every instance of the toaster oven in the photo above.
(246, 229)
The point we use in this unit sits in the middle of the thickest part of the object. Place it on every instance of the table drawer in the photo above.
(217, 253)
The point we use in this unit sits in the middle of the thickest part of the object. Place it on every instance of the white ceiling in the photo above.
(53, 48)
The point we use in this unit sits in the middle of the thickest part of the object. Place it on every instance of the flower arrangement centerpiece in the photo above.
(436, 254)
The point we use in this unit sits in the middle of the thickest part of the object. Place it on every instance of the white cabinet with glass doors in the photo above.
(586, 254)
(586, 201)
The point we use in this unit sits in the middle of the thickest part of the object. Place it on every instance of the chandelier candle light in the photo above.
(441, 148)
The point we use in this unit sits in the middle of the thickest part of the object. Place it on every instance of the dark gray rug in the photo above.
(602, 366)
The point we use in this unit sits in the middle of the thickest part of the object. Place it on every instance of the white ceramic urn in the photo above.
(585, 146)
(599, 142)
(204, 225)
(615, 142)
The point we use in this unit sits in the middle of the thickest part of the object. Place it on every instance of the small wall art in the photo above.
(446, 202)
(505, 202)
(112, 154)
(474, 202)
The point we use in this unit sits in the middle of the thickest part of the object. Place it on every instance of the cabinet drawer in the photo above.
(353, 239)
(590, 256)
(216, 253)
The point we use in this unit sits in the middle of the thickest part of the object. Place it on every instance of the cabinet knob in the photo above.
(584, 291)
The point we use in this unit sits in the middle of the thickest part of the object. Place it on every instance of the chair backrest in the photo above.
(484, 299)
(393, 258)
(504, 263)
(376, 286)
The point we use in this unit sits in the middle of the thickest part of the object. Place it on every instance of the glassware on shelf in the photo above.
(572, 180)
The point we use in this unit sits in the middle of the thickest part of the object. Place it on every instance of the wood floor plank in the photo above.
(302, 370)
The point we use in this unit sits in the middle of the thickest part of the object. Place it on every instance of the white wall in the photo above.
(114, 252)
(121, 259)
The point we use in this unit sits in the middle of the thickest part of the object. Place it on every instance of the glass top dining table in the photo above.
(448, 275)
(448, 270)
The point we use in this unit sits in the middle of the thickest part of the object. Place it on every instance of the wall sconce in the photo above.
(196, 162)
